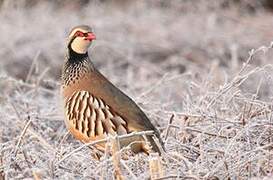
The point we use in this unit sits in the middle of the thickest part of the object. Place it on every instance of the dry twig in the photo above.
(115, 144)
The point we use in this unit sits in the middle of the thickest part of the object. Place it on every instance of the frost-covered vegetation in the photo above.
(208, 63)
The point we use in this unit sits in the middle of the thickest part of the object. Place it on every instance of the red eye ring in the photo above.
(79, 34)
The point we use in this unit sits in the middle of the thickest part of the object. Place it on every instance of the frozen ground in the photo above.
(192, 60)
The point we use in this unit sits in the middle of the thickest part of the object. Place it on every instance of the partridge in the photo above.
(94, 107)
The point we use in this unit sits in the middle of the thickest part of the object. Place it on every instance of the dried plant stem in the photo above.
(35, 176)
(155, 166)
(105, 157)
(168, 127)
(175, 156)
(2, 173)
(115, 144)
(33, 64)
(178, 177)
(22, 135)
(39, 79)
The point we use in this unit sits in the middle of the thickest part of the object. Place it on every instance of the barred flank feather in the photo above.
(91, 117)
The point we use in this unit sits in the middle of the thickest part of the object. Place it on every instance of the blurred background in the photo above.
(166, 36)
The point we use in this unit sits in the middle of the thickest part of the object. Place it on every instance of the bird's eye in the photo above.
(79, 33)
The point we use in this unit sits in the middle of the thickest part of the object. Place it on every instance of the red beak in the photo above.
(91, 36)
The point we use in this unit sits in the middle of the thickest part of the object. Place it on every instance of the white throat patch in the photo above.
(79, 45)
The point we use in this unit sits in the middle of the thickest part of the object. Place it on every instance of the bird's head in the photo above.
(80, 38)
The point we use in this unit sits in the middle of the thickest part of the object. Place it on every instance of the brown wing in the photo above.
(122, 104)
(92, 117)
(98, 85)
